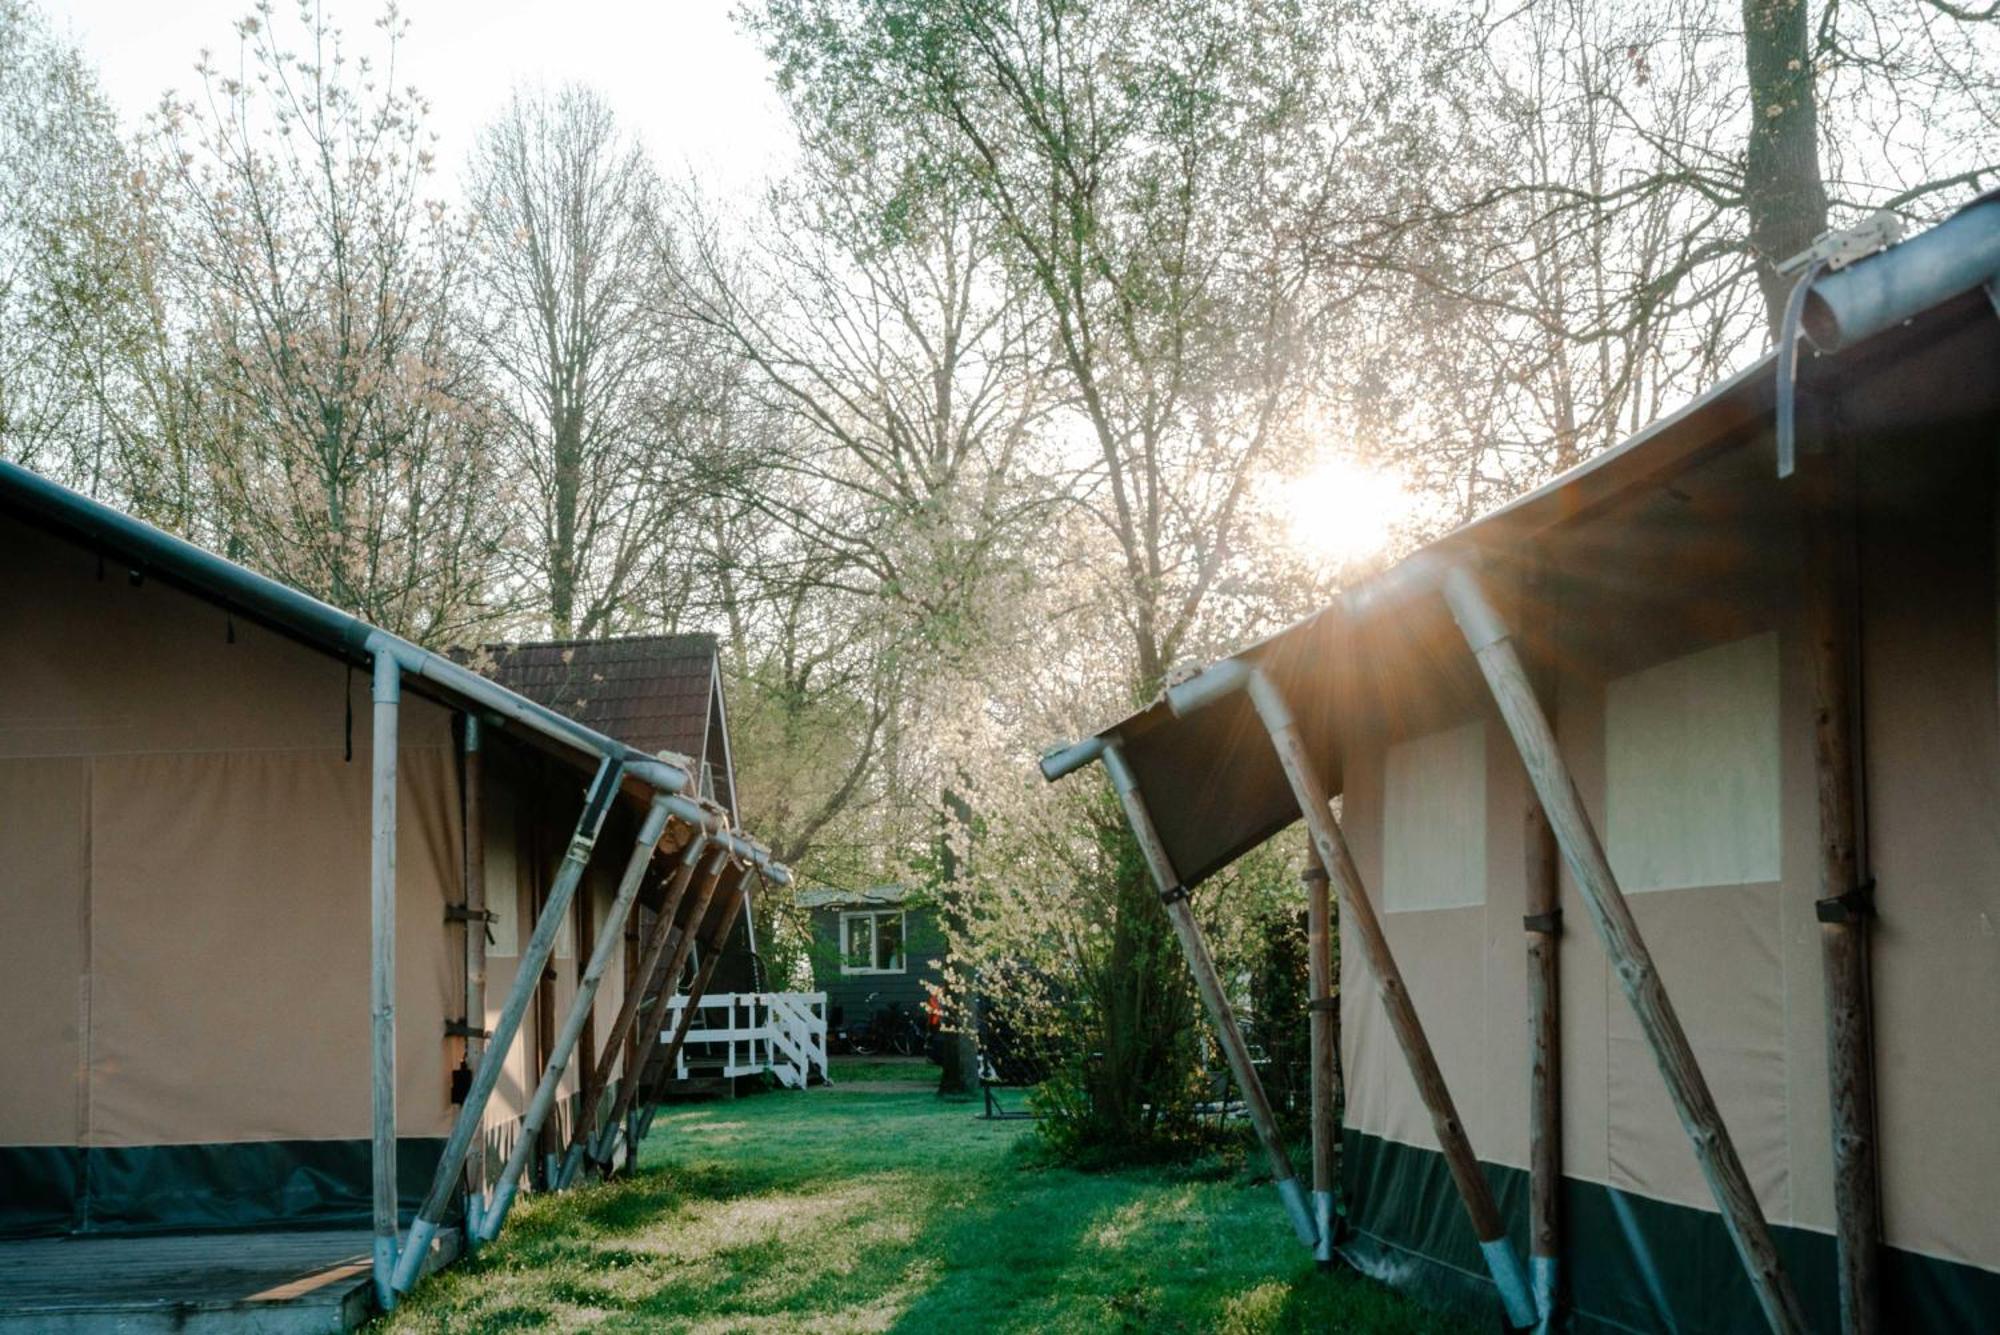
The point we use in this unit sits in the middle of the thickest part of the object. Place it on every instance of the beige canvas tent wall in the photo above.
(1661, 596)
(185, 761)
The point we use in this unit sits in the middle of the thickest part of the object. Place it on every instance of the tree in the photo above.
(874, 322)
(61, 175)
(318, 283)
(595, 393)
(1148, 169)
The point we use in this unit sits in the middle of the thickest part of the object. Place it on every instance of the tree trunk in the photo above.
(1782, 189)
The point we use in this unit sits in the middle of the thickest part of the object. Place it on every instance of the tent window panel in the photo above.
(1691, 769)
(872, 942)
(1434, 821)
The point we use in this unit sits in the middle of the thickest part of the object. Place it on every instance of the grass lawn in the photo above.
(863, 1211)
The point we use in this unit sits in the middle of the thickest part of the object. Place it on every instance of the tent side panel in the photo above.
(1933, 803)
(44, 943)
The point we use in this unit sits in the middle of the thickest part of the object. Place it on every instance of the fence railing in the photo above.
(783, 1033)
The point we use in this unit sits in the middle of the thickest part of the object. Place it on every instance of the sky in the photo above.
(679, 72)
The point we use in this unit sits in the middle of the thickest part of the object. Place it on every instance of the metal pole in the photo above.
(387, 695)
(657, 943)
(1535, 740)
(650, 1014)
(1324, 1012)
(605, 950)
(475, 918)
(534, 958)
(1228, 1035)
(1331, 845)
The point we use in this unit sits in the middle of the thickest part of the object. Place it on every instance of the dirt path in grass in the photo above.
(845, 1209)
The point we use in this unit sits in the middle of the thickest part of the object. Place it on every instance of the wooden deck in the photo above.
(296, 1282)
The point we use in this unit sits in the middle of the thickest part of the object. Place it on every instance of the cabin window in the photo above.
(871, 942)
(1434, 821)
(1691, 769)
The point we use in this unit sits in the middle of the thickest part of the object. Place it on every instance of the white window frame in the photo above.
(847, 967)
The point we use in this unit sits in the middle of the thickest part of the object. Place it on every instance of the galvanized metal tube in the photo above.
(1487, 635)
(475, 893)
(609, 942)
(1067, 760)
(527, 978)
(650, 1015)
(387, 696)
(1330, 843)
(1959, 254)
(712, 944)
(658, 941)
(1228, 1035)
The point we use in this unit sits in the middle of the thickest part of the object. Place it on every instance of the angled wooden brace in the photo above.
(1535, 740)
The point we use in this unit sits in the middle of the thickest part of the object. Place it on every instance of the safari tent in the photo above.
(274, 884)
(1662, 807)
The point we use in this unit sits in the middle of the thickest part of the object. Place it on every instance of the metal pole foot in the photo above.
(1323, 1218)
(1296, 1209)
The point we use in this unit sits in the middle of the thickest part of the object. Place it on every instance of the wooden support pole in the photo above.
(1544, 929)
(1324, 1013)
(665, 983)
(1331, 846)
(387, 696)
(1228, 1035)
(1630, 960)
(1845, 904)
(1543, 926)
(658, 942)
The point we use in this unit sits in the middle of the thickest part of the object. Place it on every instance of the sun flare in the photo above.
(1343, 511)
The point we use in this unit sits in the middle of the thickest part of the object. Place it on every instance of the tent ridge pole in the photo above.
(387, 697)
(1209, 984)
(527, 978)
(1330, 843)
(1493, 648)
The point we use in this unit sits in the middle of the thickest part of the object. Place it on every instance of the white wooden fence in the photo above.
(780, 1032)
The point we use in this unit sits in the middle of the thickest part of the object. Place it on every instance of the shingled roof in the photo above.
(652, 692)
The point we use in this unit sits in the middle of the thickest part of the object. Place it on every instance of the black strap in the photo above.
(460, 1029)
(1550, 922)
(1854, 906)
(1324, 1004)
(1174, 894)
(1311, 874)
